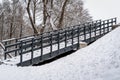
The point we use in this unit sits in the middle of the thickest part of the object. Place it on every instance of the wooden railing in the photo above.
(65, 40)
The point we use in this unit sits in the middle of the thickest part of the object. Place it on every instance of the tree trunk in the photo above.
(2, 26)
(34, 14)
(60, 24)
(11, 27)
(51, 4)
(21, 30)
(44, 15)
(30, 17)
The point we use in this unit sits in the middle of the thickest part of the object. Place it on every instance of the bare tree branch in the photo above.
(62, 14)
(30, 17)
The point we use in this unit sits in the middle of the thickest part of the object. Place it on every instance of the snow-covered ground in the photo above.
(98, 61)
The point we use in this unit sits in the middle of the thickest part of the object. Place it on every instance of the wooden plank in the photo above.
(32, 46)
(58, 42)
(36, 60)
(11, 51)
(21, 55)
(90, 32)
(41, 48)
(65, 38)
(51, 45)
(78, 38)
(72, 36)
(12, 45)
(16, 47)
(84, 33)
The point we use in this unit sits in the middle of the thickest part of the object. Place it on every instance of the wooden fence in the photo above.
(64, 40)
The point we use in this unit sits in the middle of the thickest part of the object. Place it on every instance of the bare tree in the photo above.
(2, 26)
(30, 17)
(42, 16)
(57, 14)
(60, 22)
(12, 15)
(1, 22)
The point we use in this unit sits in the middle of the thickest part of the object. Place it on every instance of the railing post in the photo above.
(5, 55)
(51, 44)
(103, 27)
(84, 33)
(16, 47)
(72, 37)
(108, 25)
(100, 24)
(41, 47)
(78, 38)
(95, 26)
(90, 31)
(32, 47)
(25, 44)
(115, 21)
(21, 51)
(58, 42)
(65, 38)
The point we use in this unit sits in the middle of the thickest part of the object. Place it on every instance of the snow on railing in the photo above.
(88, 33)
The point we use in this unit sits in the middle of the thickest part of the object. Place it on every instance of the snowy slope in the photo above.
(99, 61)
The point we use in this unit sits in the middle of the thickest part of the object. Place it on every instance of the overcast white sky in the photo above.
(103, 9)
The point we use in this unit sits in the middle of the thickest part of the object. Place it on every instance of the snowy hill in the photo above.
(98, 61)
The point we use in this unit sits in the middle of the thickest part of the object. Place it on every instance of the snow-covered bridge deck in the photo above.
(46, 46)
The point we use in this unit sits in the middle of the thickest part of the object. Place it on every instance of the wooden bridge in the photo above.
(33, 50)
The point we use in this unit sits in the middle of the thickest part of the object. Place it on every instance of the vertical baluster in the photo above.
(90, 32)
(51, 39)
(5, 55)
(108, 21)
(16, 47)
(72, 37)
(115, 20)
(112, 22)
(65, 38)
(100, 25)
(25, 44)
(84, 33)
(32, 47)
(78, 29)
(58, 42)
(104, 27)
(41, 47)
(21, 51)
(95, 26)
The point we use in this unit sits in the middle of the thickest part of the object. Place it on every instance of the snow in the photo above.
(98, 61)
